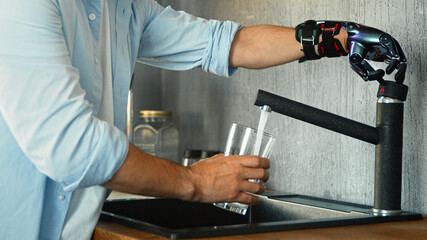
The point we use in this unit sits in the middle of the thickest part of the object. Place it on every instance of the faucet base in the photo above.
(384, 213)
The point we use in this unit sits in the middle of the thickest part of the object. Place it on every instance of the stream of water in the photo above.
(260, 133)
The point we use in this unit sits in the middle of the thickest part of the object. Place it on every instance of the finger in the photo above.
(356, 65)
(255, 173)
(402, 57)
(254, 162)
(246, 198)
(266, 177)
(357, 55)
(392, 66)
(252, 187)
(400, 75)
(388, 42)
(372, 73)
(376, 75)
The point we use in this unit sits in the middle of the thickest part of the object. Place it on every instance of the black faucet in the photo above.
(387, 136)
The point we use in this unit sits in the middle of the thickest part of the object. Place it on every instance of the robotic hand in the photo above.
(368, 43)
(365, 43)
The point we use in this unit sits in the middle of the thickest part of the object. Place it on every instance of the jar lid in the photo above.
(154, 113)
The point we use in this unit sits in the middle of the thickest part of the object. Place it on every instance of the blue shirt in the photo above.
(51, 141)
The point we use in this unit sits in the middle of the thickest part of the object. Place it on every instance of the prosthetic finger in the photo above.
(376, 75)
(400, 75)
(357, 55)
(356, 65)
(400, 51)
(372, 73)
(392, 66)
(388, 42)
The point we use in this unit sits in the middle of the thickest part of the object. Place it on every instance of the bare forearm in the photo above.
(217, 179)
(144, 174)
(266, 46)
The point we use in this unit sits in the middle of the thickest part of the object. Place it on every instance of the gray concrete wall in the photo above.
(146, 90)
(307, 159)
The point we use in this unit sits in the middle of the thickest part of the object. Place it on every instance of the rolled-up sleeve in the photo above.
(179, 41)
(43, 104)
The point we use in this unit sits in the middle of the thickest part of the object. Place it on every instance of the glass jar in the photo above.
(156, 135)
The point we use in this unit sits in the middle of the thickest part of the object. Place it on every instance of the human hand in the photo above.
(225, 179)
(367, 43)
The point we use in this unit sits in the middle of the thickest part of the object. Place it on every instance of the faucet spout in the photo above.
(265, 108)
(318, 117)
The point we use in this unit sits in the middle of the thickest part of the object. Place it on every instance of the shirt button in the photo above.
(92, 16)
(61, 197)
(96, 61)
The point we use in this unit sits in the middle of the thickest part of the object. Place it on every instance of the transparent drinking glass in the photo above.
(241, 140)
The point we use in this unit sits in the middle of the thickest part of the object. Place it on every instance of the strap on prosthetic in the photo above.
(308, 34)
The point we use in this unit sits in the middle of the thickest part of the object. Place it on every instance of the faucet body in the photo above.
(387, 136)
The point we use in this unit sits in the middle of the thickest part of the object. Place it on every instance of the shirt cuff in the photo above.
(108, 160)
(216, 56)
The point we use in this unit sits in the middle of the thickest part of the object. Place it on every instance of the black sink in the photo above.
(177, 219)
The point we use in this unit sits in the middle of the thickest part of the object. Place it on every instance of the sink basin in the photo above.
(177, 219)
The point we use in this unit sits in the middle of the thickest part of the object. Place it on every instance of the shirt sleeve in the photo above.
(179, 41)
(44, 105)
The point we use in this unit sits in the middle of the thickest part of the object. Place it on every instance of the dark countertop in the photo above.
(416, 229)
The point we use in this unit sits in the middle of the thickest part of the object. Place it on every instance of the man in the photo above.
(65, 70)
